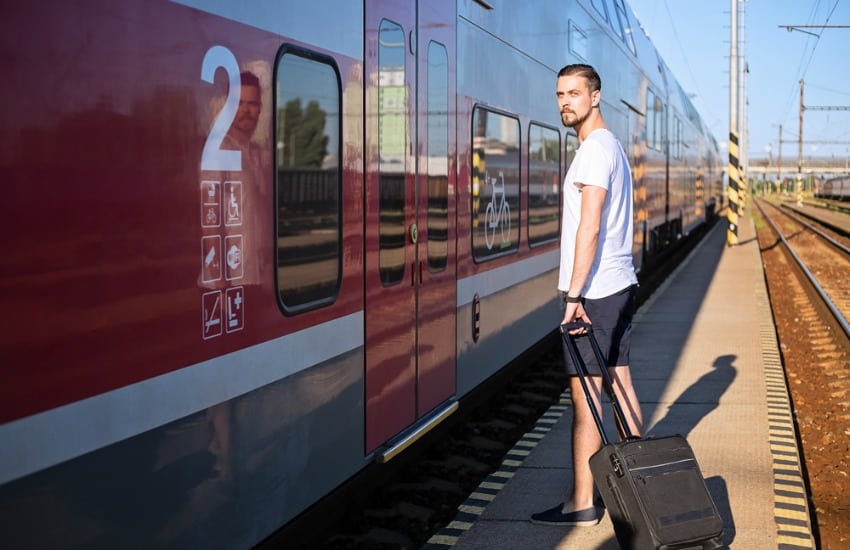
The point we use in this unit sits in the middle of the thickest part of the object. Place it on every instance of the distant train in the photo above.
(253, 247)
(834, 188)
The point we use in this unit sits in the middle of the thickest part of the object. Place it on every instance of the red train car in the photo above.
(252, 248)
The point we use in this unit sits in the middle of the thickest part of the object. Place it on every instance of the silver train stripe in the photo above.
(501, 278)
(45, 439)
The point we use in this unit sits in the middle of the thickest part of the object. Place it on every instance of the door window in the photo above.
(438, 157)
(392, 149)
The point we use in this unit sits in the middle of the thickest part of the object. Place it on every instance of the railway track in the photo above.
(806, 267)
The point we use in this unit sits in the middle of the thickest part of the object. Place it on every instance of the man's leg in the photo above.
(586, 441)
(621, 377)
(579, 509)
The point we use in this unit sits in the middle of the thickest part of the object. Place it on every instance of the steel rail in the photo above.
(818, 288)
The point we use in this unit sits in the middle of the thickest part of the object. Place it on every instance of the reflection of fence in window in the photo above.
(392, 235)
(308, 247)
(438, 222)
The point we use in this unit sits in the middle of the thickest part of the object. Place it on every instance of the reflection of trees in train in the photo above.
(305, 142)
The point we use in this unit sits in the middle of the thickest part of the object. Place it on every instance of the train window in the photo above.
(676, 151)
(308, 184)
(601, 9)
(650, 119)
(392, 149)
(544, 184)
(308, 165)
(495, 183)
(625, 28)
(578, 41)
(660, 124)
(438, 156)
(654, 121)
(571, 148)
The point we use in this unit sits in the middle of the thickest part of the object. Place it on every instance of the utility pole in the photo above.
(779, 160)
(800, 152)
(743, 103)
(733, 191)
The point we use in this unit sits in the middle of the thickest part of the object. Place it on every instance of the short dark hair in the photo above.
(249, 79)
(588, 72)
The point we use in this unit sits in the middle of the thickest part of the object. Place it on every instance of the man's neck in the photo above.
(593, 122)
(240, 138)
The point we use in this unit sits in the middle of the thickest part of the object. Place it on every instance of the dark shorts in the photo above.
(612, 325)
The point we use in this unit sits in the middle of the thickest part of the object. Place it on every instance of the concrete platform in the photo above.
(706, 365)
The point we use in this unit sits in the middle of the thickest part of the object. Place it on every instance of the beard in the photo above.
(572, 120)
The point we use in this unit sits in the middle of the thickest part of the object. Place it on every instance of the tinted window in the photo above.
(651, 120)
(599, 5)
(624, 28)
(544, 183)
(495, 183)
(307, 160)
(392, 136)
(438, 156)
(571, 148)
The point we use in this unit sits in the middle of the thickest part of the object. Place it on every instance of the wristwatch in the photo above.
(572, 299)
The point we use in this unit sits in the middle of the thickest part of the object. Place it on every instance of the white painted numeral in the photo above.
(214, 157)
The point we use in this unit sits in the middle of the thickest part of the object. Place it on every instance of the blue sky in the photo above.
(693, 37)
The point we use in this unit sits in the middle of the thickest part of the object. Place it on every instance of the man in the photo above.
(248, 114)
(247, 202)
(597, 277)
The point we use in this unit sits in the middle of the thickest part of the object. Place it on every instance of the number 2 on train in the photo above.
(213, 156)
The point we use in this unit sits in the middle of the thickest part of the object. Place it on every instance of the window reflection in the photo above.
(308, 181)
(544, 185)
(495, 183)
(438, 156)
(392, 136)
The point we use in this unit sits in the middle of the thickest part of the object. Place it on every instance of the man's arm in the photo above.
(587, 236)
(587, 241)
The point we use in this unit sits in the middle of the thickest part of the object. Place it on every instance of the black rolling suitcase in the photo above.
(652, 487)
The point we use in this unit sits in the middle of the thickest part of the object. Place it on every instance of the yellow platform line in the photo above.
(790, 505)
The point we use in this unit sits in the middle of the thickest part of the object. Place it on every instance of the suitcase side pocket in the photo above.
(677, 501)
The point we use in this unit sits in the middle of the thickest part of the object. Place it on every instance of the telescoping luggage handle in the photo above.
(581, 367)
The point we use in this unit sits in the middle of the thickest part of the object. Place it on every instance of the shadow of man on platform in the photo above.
(701, 398)
(704, 395)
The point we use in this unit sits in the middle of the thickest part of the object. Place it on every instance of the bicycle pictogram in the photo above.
(497, 217)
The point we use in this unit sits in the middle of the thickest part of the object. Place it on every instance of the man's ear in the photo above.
(594, 98)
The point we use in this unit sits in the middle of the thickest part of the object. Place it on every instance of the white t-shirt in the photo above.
(600, 161)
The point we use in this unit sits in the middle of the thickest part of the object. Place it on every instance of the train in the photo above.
(253, 248)
(837, 188)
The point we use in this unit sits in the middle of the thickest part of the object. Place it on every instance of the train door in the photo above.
(410, 230)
